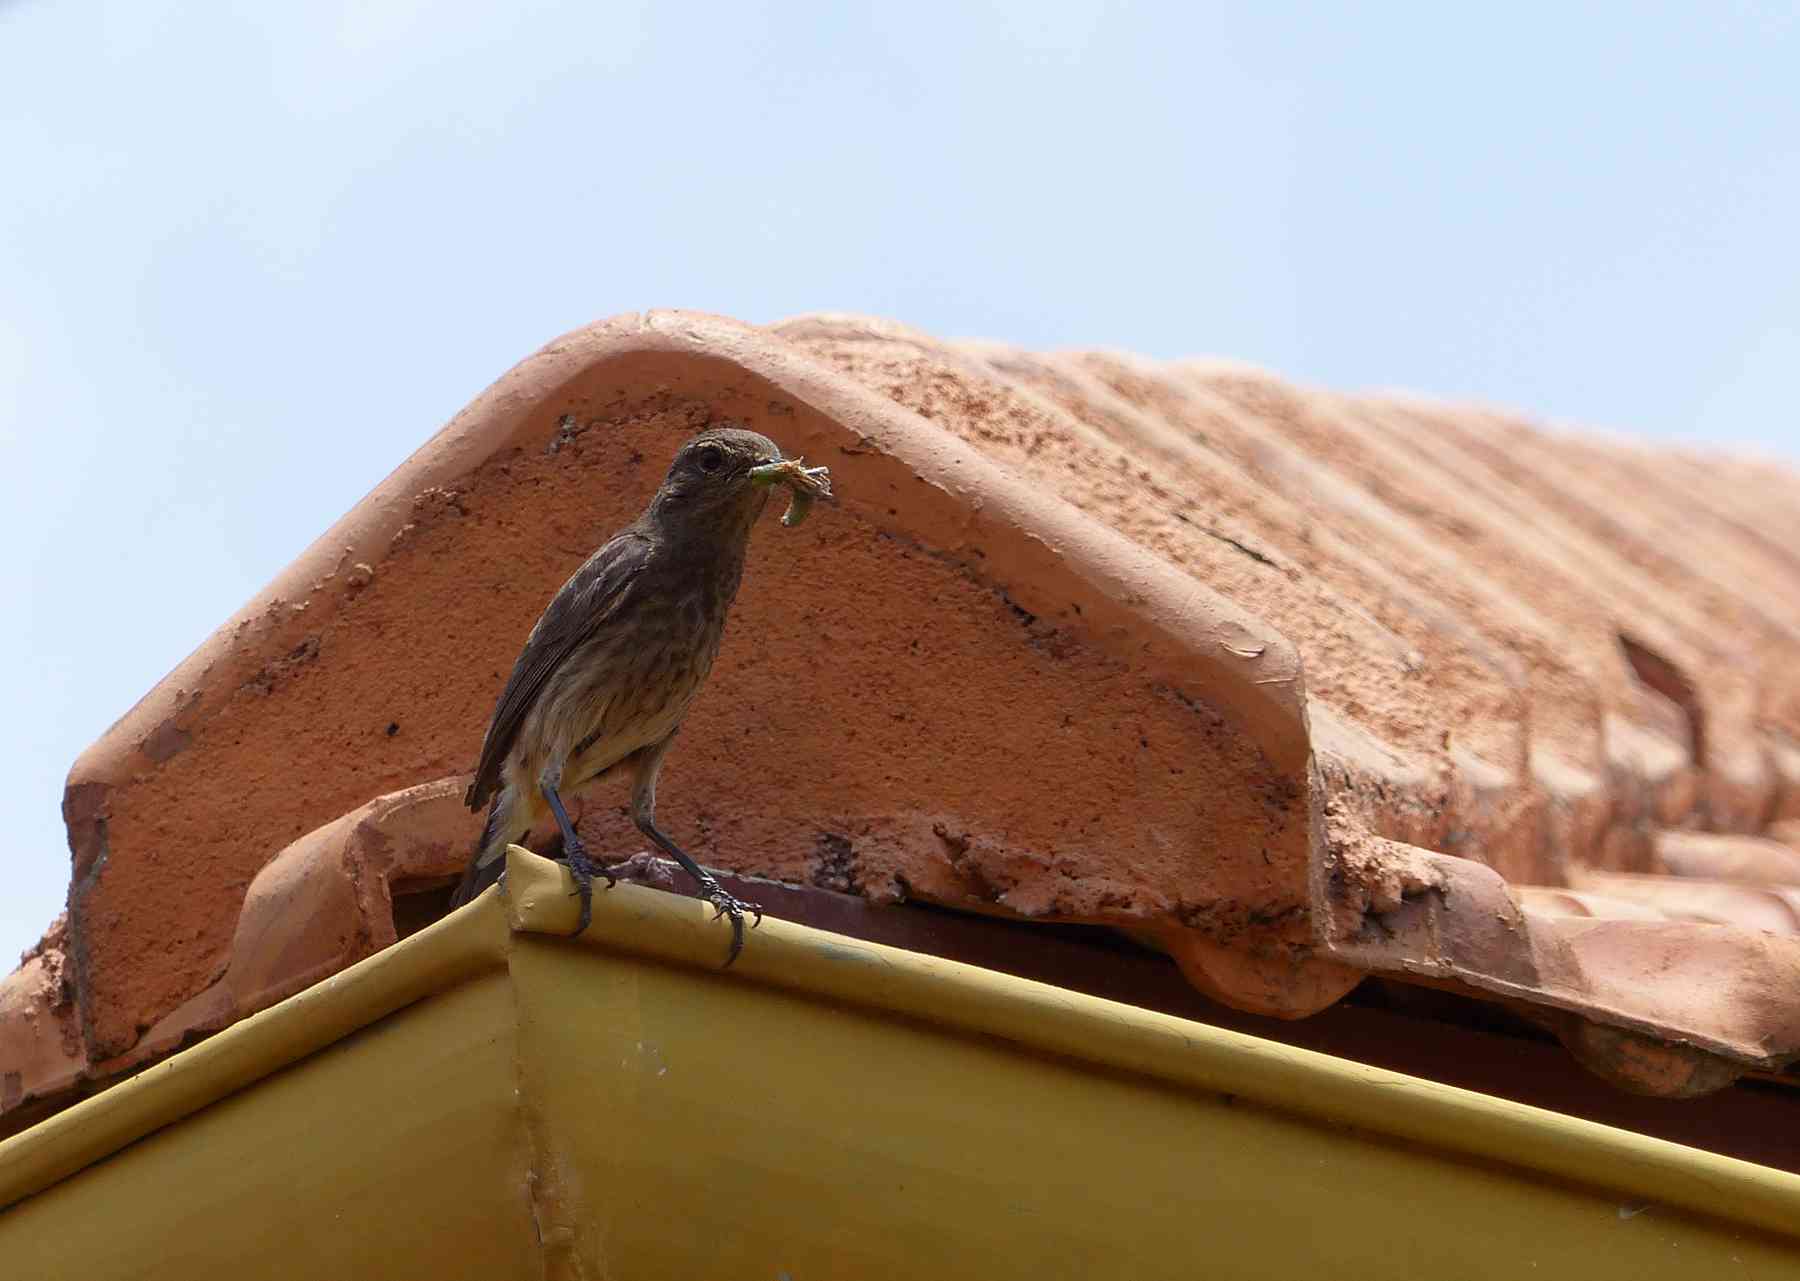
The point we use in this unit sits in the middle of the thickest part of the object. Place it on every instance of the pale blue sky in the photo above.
(251, 256)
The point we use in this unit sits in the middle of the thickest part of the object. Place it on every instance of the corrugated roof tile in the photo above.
(1297, 686)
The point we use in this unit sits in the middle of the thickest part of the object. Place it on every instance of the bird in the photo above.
(612, 666)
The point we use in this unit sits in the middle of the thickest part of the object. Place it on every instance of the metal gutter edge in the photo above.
(441, 956)
(535, 898)
(1073, 1025)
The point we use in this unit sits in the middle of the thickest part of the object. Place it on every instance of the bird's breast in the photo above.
(630, 684)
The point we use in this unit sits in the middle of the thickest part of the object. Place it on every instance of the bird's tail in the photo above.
(489, 858)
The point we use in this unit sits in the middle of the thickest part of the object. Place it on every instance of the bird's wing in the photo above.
(595, 592)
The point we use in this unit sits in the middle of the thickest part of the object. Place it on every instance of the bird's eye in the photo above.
(710, 458)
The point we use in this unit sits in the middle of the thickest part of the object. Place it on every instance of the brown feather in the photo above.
(593, 593)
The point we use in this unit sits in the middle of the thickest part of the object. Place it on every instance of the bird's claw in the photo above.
(727, 904)
(583, 869)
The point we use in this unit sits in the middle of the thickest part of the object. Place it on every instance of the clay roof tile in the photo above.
(1298, 687)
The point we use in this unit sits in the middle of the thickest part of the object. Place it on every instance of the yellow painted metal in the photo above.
(515, 1104)
(393, 1153)
(447, 953)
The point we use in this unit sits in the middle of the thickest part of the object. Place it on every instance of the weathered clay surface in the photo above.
(1373, 645)
(880, 659)
(41, 1052)
(1294, 686)
(1714, 651)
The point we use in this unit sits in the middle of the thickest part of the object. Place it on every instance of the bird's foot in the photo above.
(584, 870)
(729, 905)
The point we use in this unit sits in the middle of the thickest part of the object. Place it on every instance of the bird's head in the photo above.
(715, 479)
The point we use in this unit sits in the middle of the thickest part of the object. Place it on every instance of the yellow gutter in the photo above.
(487, 1099)
(452, 950)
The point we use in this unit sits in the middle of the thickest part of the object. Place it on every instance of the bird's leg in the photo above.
(643, 814)
(581, 867)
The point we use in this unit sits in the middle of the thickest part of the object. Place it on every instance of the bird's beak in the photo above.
(766, 473)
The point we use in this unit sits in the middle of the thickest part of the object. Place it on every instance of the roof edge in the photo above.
(441, 956)
(535, 899)
(1122, 1037)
